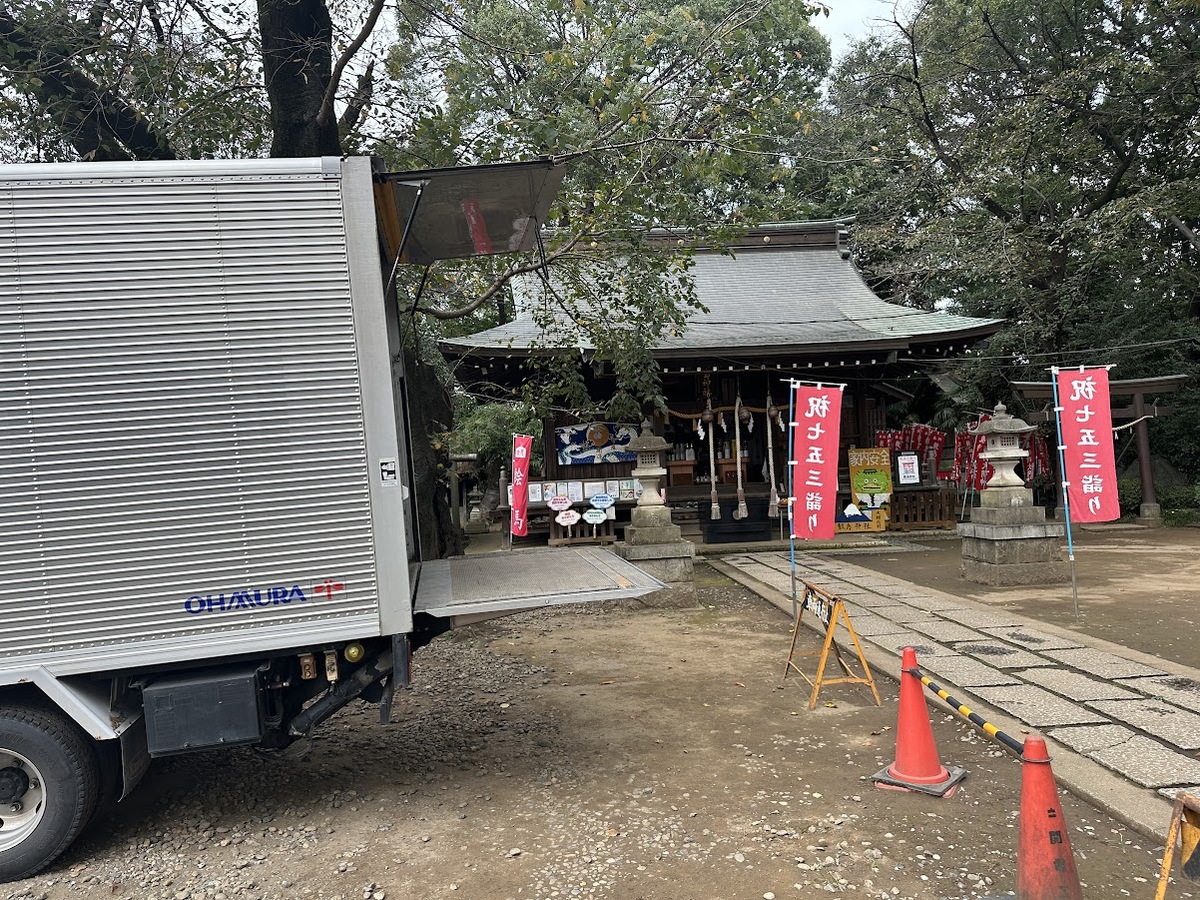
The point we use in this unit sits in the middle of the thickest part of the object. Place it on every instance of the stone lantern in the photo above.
(1008, 540)
(652, 541)
(1003, 435)
(649, 448)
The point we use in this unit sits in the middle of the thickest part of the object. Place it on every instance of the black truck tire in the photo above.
(60, 768)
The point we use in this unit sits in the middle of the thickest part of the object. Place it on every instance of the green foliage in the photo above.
(1170, 497)
(681, 115)
(129, 80)
(1129, 495)
(1035, 163)
(487, 430)
(1181, 518)
(1181, 496)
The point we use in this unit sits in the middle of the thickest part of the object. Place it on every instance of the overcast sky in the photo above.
(850, 19)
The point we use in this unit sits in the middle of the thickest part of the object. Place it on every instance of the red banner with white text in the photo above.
(816, 423)
(522, 445)
(1085, 418)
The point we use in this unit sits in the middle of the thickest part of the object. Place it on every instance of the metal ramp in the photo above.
(471, 588)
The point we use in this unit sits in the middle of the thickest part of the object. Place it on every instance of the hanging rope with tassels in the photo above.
(773, 503)
(738, 413)
(707, 417)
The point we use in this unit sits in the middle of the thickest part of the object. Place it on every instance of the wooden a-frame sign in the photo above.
(1184, 830)
(829, 610)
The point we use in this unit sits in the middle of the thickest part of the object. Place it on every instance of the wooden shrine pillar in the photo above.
(1149, 512)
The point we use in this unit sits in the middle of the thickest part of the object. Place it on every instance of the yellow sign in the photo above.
(870, 490)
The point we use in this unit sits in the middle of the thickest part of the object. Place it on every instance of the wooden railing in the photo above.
(936, 508)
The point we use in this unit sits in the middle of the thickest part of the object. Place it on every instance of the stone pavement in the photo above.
(1123, 726)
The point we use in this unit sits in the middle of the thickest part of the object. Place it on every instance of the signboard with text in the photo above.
(519, 518)
(817, 419)
(1085, 423)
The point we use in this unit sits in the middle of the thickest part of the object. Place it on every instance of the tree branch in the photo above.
(359, 99)
(325, 116)
(987, 20)
(100, 124)
(1183, 228)
(497, 285)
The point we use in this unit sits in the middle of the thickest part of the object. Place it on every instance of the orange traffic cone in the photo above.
(1045, 866)
(916, 767)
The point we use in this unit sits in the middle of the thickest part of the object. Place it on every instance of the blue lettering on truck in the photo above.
(247, 599)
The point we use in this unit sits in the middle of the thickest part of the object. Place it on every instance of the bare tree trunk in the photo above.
(297, 43)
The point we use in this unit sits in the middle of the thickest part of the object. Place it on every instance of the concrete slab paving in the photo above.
(840, 591)
(1075, 686)
(765, 574)
(906, 593)
(855, 594)
(902, 614)
(1170, 792)
(1120, 723)
(895, 643)
(839, 571)
(1038, 707)
(770, 561)
(1101, 664)
(978, 618)
(1177, 689)
(1002, 656)
(880, 585)
(824, 584)
(867, 625)
(1031, 639)
(1161, 720)
(941, 630)
(925, 601)
(966, 672)
(1086, 738)
(1149, 763)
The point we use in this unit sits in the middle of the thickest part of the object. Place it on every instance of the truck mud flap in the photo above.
(467, 589)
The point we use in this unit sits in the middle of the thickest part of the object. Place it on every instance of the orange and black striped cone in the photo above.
(916, 767)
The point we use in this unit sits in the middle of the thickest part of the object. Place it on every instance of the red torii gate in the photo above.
(1137, 412)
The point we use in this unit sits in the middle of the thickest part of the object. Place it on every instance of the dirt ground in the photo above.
(1136, 588)
(594, 752)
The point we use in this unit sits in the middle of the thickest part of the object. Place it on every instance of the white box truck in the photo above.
(206, 514)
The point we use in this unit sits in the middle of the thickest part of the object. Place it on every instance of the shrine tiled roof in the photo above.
(770, 300)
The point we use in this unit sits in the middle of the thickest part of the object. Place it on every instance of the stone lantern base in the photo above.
(1009, 542)
(656, 546)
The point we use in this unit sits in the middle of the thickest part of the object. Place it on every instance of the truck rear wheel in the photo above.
(49, 782)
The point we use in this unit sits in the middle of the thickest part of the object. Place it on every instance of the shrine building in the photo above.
(784, 303)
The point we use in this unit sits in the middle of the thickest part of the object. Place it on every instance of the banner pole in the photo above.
(1062, 471)
(791, 483)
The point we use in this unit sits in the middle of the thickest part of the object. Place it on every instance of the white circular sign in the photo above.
(559, 502)
(603, 501)
(567, 517)
(594, 516)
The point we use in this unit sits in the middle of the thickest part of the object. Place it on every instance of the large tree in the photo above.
(1038, 162)
(678, 114)
(674, 113)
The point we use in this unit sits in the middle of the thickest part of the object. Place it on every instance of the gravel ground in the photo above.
(605, 752)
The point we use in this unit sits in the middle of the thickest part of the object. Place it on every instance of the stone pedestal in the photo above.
(1009, 541)
(655, 545)
(1150, 515)
(476, 522)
